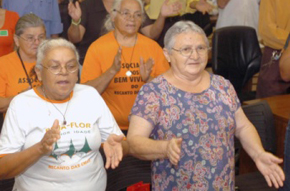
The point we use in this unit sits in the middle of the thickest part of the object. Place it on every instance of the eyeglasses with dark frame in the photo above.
(57, 68)
(187, 51)
(126, 14)
(32, 39)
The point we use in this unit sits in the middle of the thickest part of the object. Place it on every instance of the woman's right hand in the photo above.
(116, 66)
(74, 10)
(50, 137)
(173, 150)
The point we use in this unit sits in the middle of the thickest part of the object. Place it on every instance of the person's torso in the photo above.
(14, 78)
(206, 123)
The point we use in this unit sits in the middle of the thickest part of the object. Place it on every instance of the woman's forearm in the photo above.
(101, 83)
(4, 103)
(16, 163)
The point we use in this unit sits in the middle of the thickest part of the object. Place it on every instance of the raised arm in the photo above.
(76, 31)
(154, 30)
(222, 3)
(267, 163)
(284, 64)
(15, 163)
(141, 146)
(102, 82)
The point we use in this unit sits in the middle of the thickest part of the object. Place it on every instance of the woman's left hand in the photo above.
(113, 150)
(146, 68)
(268, 165)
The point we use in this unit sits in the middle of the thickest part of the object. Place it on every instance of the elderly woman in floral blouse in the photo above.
(191, 117)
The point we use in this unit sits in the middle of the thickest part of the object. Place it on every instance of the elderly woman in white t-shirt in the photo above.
(52, 133)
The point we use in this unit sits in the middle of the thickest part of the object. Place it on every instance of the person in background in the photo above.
(15, 67)
(120, 62)
(88, 21)
(191, 117)
(274, 28)
(238, 13)
(47, 10)
(52, 133)
(284, 63)
(8, 20)
(194, 10)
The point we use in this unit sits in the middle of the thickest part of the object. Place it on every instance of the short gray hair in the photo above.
(108, 24)
(27, 21)
(50, 44)
(181, 27)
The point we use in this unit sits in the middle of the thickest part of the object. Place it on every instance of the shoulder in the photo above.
(82, 89)
(8, 59)
(144, 40)
(12, 14)
(104, 40)
(155, 84)
(23, 99)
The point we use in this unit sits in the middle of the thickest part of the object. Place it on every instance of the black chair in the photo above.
(130, 171)
(236, 55)
(286, 161)
(261, 116)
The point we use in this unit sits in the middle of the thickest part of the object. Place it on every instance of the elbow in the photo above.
(285, 76)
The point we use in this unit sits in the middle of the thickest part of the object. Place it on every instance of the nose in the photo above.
(63, 70)
(194, 55)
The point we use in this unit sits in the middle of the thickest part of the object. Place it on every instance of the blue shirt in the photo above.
(47, 10)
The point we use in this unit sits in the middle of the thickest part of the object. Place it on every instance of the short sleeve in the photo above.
(147, 104)
(91, 66)
(106, 123)
(12, 137)
(234, 102)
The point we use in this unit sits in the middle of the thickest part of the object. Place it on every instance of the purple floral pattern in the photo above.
(206, 123)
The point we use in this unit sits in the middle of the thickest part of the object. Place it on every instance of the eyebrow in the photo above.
(57, 62)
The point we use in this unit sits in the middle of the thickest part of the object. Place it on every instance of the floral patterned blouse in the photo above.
(206, 123)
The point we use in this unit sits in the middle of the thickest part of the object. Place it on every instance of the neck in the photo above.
(193, 84)
(27, 58)
(125, 40)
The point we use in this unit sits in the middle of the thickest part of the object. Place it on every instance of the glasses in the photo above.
(32, 39)
(201, 50)
(57, 68)
(127, 15)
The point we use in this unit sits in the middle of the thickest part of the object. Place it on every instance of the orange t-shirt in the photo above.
(122, 90)
(7, 32)
(13, 79)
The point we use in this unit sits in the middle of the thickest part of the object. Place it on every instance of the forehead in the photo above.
(60, 54)
(130, 5)
(189, 38)
(34, 30)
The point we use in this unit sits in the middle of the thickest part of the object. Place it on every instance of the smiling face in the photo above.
(128, 18)
(58, 86)
(192, 65)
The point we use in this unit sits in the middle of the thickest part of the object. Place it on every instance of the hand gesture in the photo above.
(173, 150)
(268, 166)
(146, 68)
(50, 137)
(74, 10)
(169, 9)
(116, 66)
(113, 150)
(204, 7)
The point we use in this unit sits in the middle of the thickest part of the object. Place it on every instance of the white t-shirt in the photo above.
(75, 163)
(239, 13)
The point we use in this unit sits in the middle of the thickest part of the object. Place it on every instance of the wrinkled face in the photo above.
(128, 18)
(58, 86)
(190, 54)
(29, 40)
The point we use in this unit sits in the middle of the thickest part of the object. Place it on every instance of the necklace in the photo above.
(63, 115)
(128, 73)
